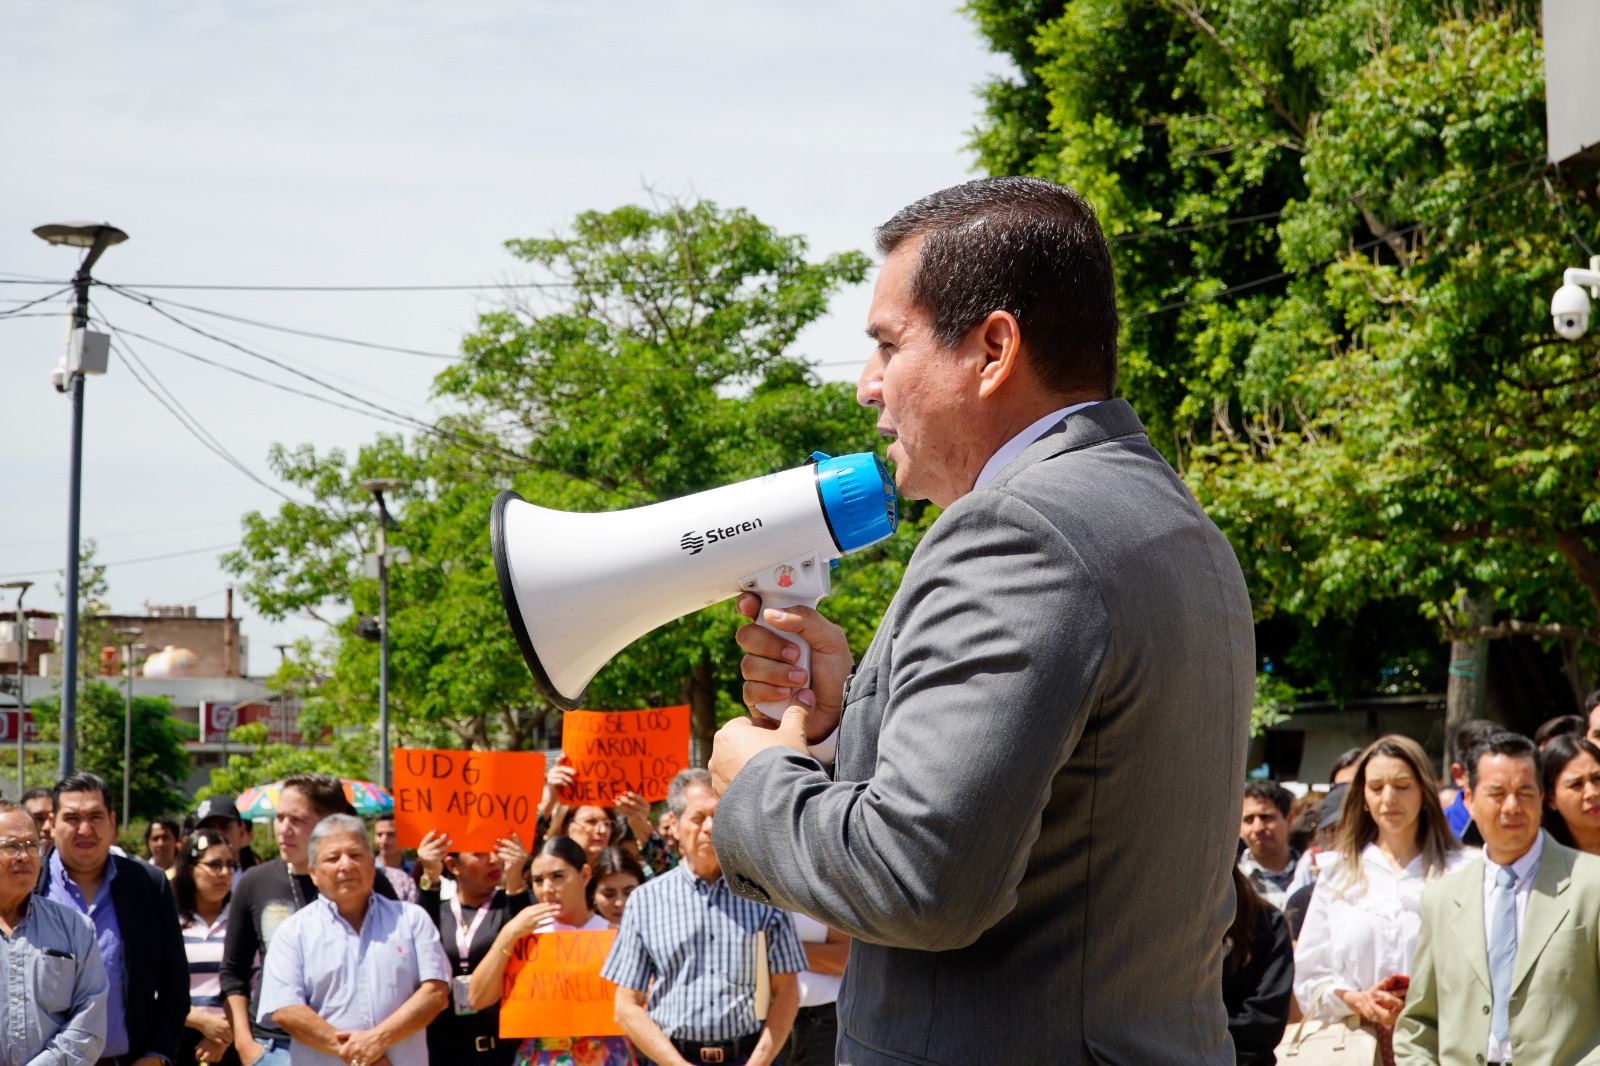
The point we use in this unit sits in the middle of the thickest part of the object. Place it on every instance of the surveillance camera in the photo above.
(58, 378)
(1570, 310)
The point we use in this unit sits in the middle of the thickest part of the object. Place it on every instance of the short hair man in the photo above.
(161, 843)
(263, 899)
(1268, 860)
(1463, 739)
(392, 863)
(219, 813)
(1507, 960)
(135, 920)
(41, 805)
(1071, 645)
(683, 960)
(352, 977)
(54, 1011)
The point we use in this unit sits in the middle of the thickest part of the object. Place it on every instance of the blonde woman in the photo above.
(1354, 953)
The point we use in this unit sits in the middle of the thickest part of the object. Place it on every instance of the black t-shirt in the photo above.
(264, 897)
(456, 1037)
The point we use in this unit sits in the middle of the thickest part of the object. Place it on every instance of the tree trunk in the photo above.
(1469, 661)
(702, 711)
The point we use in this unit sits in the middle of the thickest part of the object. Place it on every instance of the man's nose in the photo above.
(869, 386)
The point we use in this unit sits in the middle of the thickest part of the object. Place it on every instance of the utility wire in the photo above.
(175, 407)
(130, 562)
(32, 303)
(1366, 246)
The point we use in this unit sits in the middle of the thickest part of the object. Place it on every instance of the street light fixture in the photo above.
(128, 635)
(87, 353)
(383, 559)
(22, 588)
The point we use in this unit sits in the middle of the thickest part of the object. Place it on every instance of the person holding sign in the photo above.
(690, 956)
(468, 924)
(564, 886)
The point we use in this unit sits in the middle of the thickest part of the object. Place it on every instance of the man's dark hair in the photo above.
(82, 781)
(1515, 745)
(169, 824)
(1344, 762)
(1270, 792)
(1565, 725)
(324, 793)
(40, 792)
(1023, 245)
(1591, 701)
(1467, 736)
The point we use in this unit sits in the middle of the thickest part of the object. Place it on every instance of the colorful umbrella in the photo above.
(260, 803)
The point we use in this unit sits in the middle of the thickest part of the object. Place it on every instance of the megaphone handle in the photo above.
(774, 709)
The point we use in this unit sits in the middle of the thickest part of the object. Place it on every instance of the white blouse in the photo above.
(1355, 936)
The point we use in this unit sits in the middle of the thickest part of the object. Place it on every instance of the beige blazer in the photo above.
(1555, 988)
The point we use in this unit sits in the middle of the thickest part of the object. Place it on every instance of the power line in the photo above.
(131, 562)
(119, 534)
(1367, 246)
(185, 419)
(31, 303)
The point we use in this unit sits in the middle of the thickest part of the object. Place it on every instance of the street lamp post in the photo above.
(86, 355)
(129, 635)
(22, 668)
(378, 486)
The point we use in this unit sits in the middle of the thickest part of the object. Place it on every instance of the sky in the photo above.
(393, 143)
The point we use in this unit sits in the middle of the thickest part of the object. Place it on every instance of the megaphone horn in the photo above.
(579, 588)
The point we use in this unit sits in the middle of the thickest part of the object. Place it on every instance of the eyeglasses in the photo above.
(218, 866)
(16, 849)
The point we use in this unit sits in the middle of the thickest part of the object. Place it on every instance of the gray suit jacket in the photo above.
(1035, 804)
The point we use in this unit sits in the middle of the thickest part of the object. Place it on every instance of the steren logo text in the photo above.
(694, 543)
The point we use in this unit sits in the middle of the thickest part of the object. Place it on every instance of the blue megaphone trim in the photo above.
(858, 499)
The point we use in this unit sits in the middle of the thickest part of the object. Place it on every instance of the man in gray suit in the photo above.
(1070, 650)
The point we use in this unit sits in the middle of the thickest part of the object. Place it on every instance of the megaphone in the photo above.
(581, 587)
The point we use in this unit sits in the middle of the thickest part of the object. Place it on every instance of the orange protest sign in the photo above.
(474, 797)
(553, 987)
(613, 752)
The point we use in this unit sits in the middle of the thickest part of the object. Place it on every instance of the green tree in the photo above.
(160, 763)
(1335, 238)
(657, 365)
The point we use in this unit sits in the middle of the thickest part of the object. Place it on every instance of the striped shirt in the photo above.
(202, 944)
(696, 940)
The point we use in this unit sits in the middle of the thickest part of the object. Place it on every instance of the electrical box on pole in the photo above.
(1572, 81)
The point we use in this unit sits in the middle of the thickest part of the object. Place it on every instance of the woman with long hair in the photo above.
(1257, 975)
(202, 883)
(616, 874)
(1571, 769)
(563, 888)
(1354, 953)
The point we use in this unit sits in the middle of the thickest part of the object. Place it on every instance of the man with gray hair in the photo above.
(352, 977)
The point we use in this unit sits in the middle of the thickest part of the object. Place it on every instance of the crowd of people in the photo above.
(1435, 925)
(344, 951)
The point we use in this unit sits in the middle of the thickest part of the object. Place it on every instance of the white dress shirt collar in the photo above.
(1016, 445)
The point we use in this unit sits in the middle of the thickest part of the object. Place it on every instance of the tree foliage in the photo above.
(1336, 238)
(657, 363)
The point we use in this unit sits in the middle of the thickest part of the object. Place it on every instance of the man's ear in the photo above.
(1000, 338)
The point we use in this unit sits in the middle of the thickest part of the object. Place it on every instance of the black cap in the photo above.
(216, 807)
(1331, 805)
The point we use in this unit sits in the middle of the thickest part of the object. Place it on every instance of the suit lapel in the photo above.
(1547, 908)
(1468, 924)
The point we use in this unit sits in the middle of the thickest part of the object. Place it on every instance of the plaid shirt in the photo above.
(697, 940)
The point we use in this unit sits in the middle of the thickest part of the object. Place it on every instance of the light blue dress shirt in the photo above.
(53, 1012)
(102, 913)
(353, 979)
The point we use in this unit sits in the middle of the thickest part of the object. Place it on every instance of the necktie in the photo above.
(1503, 952)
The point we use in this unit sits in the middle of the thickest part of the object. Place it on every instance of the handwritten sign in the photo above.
(553, 987)
(475, 797)
(613, 752)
